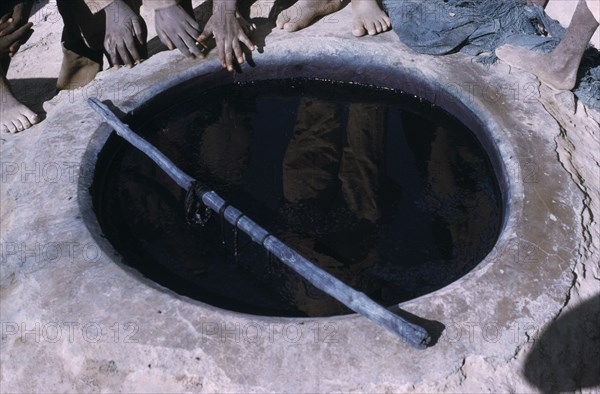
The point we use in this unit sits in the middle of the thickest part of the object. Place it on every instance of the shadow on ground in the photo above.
(34, 92)
(566, 356)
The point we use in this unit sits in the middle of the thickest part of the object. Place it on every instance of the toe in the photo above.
(35, 119)
(4, 128)
(372, 29)
(387, 22)
(291, 27)
(24, 121)
(282, 19)
(378, 26)
(18, 125)
(359, 32)
(358, 29)
(12, 128)
(31, 116)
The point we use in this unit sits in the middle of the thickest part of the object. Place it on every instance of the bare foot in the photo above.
(14, 116)
(304, 12)
(369, 18)
(557, 73)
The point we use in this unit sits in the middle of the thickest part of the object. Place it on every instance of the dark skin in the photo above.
(11, 42)
(12, 27)
(126, 33)
(177, 28)
(230, 31)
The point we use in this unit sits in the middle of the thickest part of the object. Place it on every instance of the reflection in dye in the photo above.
(392, 195)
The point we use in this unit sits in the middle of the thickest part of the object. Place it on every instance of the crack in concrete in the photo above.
(564, 147)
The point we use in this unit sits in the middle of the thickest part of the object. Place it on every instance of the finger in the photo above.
(111, 49)
(182, 47)
(132, 49)
(244, 38)
(229, 56)
(14, 48)
(138, 30)
(191, 45)
(19, 33)
(193, 33)
(192, 23)
(10, 27)
(237, 50)
(221, 53)
(4, 23)
(124, 54)
(206, 34)
(165, 40)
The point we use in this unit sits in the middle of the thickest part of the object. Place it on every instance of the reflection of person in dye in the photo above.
(369, 18)
(559, 67)
(224, 148)
(14, 32)
(318, 169)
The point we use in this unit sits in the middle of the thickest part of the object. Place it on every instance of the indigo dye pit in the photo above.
(392, 195)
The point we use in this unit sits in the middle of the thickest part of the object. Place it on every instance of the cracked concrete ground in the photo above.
(75, 319)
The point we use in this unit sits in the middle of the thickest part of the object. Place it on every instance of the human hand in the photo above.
(10, 43)
(229, 29)
(122, 26)
(176, 28)
(13, 21)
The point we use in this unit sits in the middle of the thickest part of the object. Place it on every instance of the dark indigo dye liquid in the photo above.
(388, 193)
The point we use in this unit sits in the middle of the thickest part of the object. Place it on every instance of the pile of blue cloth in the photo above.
(478, 27)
